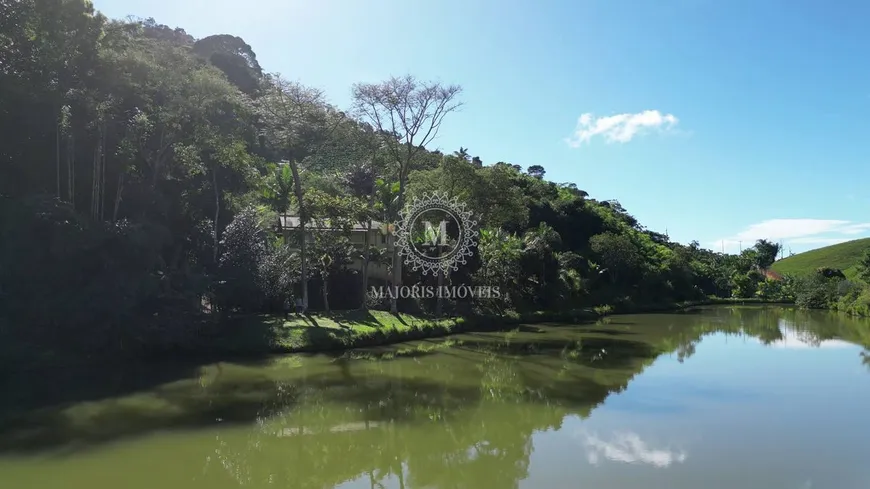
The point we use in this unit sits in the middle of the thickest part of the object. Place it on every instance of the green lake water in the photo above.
(713, 398)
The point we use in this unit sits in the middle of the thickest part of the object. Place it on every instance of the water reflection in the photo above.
(629, 448)
(793, 337)
(469, 411)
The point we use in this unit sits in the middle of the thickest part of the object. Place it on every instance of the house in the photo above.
(377, 238)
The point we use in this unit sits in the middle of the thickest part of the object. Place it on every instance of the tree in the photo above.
(357, 158)
(500, 255)
(618, 253)
(296, 120)
(244, 245)
(541, 243)
(864, 267)
(233, 56)
(766, 252)
(278, 190)
(536, 171)
(332, 252)
(407, 113)
(279, 272)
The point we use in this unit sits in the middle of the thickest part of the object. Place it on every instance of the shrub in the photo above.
(856, 300)
(816, 291)
(830, 272)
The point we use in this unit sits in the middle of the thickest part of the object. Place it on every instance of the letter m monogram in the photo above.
(433, 234)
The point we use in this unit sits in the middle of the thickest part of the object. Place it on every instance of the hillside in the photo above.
(843, 256)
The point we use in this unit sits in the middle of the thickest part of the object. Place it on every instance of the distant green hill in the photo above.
(844, 256)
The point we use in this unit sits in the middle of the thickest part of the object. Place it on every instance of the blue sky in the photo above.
(720, 121)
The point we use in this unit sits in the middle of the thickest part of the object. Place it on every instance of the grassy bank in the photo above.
(263, 334)
(257, 334)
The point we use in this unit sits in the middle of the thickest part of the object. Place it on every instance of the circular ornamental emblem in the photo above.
(435, 234)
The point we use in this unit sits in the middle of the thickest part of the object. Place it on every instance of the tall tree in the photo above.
(287, 108)
(542, 242)
(298, 123)
(408, 114)
(766, 252)
(233, 56)
(536, 171)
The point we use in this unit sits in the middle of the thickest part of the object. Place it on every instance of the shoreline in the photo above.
(348, 332)
(261, 335)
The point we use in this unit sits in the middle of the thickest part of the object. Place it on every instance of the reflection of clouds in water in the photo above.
(629, 448)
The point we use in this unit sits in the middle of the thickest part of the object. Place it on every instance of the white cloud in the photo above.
(629, 448)
(818, 241)
(620, 128)
(788, 228)
(856, 228)
(821, 232)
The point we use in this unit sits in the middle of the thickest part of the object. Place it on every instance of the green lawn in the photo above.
(327, 331)
(844, 256)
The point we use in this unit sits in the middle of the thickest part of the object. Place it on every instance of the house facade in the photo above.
(357, 237)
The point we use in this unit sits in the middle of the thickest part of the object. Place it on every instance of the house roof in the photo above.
(321, 224)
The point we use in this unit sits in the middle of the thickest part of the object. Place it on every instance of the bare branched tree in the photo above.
(408, 114)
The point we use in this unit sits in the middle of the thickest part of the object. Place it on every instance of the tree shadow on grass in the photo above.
(360, 316)
(309, 318)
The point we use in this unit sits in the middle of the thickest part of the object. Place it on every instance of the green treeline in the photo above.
(143, 171)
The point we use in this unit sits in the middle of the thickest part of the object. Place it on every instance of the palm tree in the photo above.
(542, 242)
(279, 190)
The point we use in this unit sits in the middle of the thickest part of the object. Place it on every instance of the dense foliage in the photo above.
(143, 170)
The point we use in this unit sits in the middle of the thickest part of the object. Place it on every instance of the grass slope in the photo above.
(844, 256)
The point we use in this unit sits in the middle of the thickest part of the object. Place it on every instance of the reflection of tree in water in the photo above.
(459, 417)
(685, 350)
(773, 325)
(458, 413)
(469, 427)
(493, 446)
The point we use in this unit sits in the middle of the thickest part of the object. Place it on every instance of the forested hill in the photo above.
(141, 175)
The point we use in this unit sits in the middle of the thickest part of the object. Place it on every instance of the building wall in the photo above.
(357, 237)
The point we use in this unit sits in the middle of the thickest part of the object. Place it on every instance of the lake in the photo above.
(718, 397)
